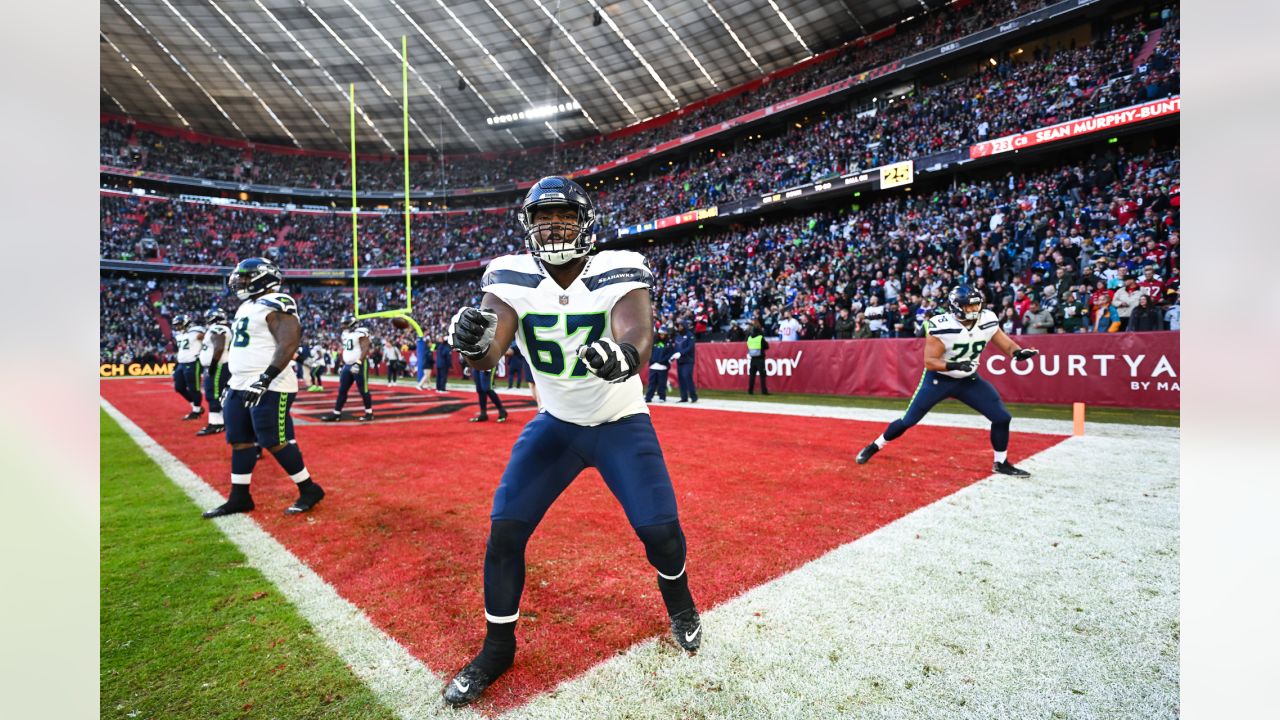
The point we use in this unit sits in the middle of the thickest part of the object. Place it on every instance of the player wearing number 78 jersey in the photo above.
(953, 343)
(586, 326)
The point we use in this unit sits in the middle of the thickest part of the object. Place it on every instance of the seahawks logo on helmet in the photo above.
(558, 242)
(215, 316)
(965, 302)
(254, 277)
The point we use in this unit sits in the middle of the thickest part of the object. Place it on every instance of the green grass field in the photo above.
(187, 628)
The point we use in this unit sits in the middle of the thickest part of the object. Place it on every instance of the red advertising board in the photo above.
(1076, 128)
(1117, 369)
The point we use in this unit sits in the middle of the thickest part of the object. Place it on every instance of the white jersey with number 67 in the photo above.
(962, 343)
(556, 321)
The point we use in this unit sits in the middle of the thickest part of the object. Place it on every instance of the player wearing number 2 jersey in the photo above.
(585, 325)
(953, 343)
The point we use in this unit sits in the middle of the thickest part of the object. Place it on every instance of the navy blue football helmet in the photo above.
(215, 316)
(965, 302)
(563, 241)
(180, 322)
(254, 277)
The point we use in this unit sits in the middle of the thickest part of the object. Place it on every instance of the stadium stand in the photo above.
(147, 150)
(1049, 235)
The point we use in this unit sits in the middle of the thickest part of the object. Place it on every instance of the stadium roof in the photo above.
(277, 71)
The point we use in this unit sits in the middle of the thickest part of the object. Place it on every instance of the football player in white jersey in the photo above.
(953, 343)
(187, 336)
(356, 347)
(265, 334)
(213, 357)
(585, 325)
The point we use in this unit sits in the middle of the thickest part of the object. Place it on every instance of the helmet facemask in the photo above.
(972, 310)
(557, 241)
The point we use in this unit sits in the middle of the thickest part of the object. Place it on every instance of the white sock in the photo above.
(301, 476)
(240, 479)
(195, 408)
(880, 441)
(215, 418)
(1001, 455)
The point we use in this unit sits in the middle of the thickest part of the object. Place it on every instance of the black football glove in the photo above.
(610, 361)
(1025, 354)
(962, 366)
(253, 395)
(471, 331)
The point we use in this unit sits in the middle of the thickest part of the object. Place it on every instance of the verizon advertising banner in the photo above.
(1119, 369)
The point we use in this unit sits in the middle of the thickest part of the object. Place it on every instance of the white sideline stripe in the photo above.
(968, 419)
(397, 678)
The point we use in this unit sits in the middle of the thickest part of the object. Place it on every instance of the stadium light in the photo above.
(535, 114)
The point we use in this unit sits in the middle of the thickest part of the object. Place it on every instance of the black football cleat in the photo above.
(210, 429)
(686, 630)
(865, 454)
(193, 414)
(1004, 468)
(229, 508)
(305, 501)
(367, 417)
(331, 417)
(480, 418)
(502, 416)
(467, 685)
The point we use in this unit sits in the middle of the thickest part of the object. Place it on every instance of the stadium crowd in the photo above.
(1089, 246)
(1067, 249)
(1017, 93)
(135, 312)
(125, 146)
(192, 232)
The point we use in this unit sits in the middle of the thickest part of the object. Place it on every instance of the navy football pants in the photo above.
(216, 380)
(973, 391)
(546, 458)
(354, 374)
(186, 381)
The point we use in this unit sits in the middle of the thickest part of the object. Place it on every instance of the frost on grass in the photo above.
(1053, 597)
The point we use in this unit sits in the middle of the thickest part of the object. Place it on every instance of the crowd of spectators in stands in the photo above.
(151, 151)
(1092, 246)
(1070, 249)
(1014, 95)
(132, 307)
(189, 232)
(1019, 93)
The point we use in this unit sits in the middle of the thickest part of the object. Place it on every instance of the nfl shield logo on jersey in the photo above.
(564, 299)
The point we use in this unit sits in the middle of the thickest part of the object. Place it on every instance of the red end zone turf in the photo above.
(401, 532)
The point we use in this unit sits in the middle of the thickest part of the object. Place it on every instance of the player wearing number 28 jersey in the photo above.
(585, 324)
(953, 343)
